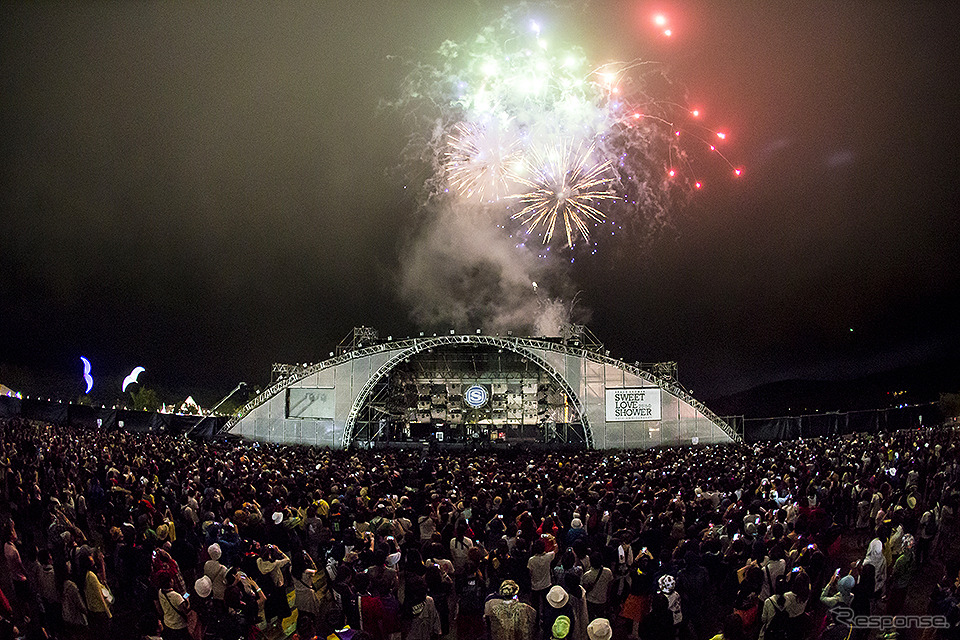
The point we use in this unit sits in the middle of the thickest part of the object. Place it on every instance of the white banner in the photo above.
(627, 405)
(310, 403)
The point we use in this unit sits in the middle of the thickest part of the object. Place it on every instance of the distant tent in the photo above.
(7, 391)
(189, 406)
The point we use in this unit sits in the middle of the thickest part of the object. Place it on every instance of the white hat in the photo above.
(575, 523)
(599, 629)
(214, 551)
(557, 597)
(393, 558)
(203, 586)
(277, 517)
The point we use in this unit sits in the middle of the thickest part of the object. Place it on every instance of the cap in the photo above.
(214, 551)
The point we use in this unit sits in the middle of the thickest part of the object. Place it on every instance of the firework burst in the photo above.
(517, 119)
(564, 184)
(479, 160)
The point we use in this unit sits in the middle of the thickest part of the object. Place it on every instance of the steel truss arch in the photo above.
(531, 348)
(424, 344)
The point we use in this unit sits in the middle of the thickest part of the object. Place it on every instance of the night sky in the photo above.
(204, 189)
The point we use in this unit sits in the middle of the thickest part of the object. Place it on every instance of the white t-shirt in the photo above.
(171, 603)
(539, 567)
(427, 528)
(773, 570)
(600, 589)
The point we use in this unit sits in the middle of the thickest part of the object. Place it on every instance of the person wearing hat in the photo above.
(876, 557)
(204, 605)
(558, 606)
(507, 617)
(576, 532)
(561, 627)
(203, 587)
(667, 585)
(838, 592)
(599, 629)
(216, 572)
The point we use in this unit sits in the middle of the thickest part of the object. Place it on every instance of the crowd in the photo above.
(134, 535)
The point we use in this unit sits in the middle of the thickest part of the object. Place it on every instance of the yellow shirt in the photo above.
(94, 595)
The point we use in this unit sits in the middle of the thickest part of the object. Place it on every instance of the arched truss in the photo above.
(522, 346)
(425, 344)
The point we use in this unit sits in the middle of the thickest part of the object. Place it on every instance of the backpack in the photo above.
(931, 528)
(779, 625)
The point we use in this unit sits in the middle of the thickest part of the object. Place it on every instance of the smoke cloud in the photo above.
(463, 272)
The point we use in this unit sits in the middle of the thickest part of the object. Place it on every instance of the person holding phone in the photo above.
(838, 592)
(174, 607)
(495, 529)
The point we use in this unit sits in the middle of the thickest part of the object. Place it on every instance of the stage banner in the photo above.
(318, 403)
(631, 404)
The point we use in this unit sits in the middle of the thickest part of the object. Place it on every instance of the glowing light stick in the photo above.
(86, 374)
(132, 377)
